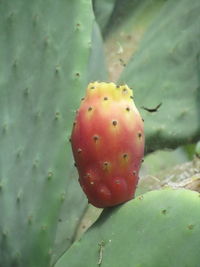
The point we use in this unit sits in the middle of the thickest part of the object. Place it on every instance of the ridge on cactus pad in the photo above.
(108, 144)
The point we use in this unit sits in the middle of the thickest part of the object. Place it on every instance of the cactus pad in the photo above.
(160, 228)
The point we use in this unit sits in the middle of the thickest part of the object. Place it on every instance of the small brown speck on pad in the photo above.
(164, 211)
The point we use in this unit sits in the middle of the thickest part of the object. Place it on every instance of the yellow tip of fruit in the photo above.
(109, 90)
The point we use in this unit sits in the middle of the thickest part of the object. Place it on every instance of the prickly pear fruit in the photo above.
(108, 144)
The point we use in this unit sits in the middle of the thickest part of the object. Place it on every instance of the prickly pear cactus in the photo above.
(44, 55)
(159, 228)
(49, 51)
(108, 144)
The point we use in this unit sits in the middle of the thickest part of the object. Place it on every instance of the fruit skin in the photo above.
(108, 144)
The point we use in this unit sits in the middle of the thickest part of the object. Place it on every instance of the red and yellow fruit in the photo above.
(108, 144)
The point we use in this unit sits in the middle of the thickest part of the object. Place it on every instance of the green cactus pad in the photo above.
(45, 50)
(97, 67)
(159, 228)
(165, 69)
(103, 10)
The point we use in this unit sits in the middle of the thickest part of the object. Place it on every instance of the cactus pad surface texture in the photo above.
(159, 228)
(165, 70)
(44, 57)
